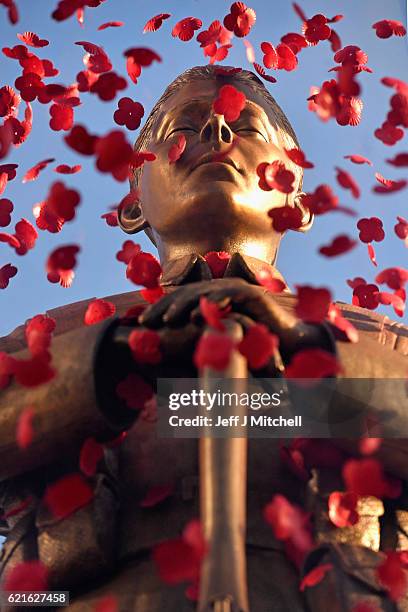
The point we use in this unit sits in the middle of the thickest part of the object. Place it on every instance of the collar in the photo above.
(193, 268)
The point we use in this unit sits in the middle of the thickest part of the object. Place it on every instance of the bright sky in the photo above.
(98, 273)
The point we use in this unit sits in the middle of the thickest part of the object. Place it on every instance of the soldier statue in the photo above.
(209, 201)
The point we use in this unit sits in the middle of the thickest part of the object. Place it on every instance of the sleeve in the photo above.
(66, 410)
(376, 367)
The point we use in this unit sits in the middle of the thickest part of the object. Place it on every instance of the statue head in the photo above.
(198, 204)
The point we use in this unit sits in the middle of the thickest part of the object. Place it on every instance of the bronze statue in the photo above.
(188, 209)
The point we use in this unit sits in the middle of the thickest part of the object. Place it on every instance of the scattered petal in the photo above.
(129, 113)
(27, 576)
(145, 346)
(67, 495)
(155, 22)
(33, 40)
(144, 269)
(275, 176)
(371, 229)
(258, 346)
(366, 296)
(285, 218)
(6, 272)
(230, 103)
(358, 159)
(65, 169)
(91, 454)
(346, 181)
(111, 24)
(33, 173)
(315, 576)
(399, 161)
(177, 149)
(312, 303)
(392, 574)
(338, 246)
(240, 19)
(388, 27)
(310, 365)
(25, 429)
(299, 158)
(156, 495)
(134, 391)
(217, 262)
(98, 311)
(343, 509)
(213, 351)
(185, 28)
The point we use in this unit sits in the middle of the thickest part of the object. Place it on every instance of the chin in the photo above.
(216, 212)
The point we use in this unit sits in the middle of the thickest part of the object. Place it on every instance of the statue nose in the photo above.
(216, 130)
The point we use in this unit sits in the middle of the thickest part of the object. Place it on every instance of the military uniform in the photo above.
(105, 547)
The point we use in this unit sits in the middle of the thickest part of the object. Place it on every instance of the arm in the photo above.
(367, 359)
(388, 369)
(66, 410)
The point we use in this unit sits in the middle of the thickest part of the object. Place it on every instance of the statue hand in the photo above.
(251, 302)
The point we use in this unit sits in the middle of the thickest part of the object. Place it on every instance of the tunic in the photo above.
(105, 547)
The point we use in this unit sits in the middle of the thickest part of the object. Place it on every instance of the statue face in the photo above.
(195, 195)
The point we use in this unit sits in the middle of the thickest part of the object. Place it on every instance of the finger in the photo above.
(152, 316)
(245, 321)
(176, 343)
(179, 311)
(262, 307)
(155, 315)
(273, 369)
(196, 315)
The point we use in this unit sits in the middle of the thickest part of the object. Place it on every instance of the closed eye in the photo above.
(181, 129)
(253, 131)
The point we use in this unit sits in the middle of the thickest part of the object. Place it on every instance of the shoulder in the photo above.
(70, 317)
(378, 327)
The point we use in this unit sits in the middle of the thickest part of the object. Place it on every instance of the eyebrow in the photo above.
(194, 101)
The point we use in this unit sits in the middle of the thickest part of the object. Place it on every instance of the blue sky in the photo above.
(98, 272)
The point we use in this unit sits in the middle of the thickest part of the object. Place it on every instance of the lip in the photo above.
(209, 158)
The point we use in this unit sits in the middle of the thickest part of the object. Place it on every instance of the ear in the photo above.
(307, 216)
(130, 216)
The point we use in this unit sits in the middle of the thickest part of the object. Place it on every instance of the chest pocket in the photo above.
(77, 548)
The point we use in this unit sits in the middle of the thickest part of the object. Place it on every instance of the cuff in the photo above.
(112, 362)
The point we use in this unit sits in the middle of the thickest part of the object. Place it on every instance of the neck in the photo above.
(264, 250)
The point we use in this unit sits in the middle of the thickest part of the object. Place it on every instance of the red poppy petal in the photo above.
(98, 311)
(111, 24)
(214, 351)
(299, 158)
(312, 303)
(155, 22)
(27, 576)
(91, 453)
(315, 576)
(25, 430)
(258, 346)
(346, 181)
(156, 495)
(217, 262)
(6, 272)
(145, 346)
(67, 495)
(65, 169)
(32, 40)
(33, 173)
(176, 150)
(339, 245)
(358, 159)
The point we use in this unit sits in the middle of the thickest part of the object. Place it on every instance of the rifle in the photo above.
(223, 487)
